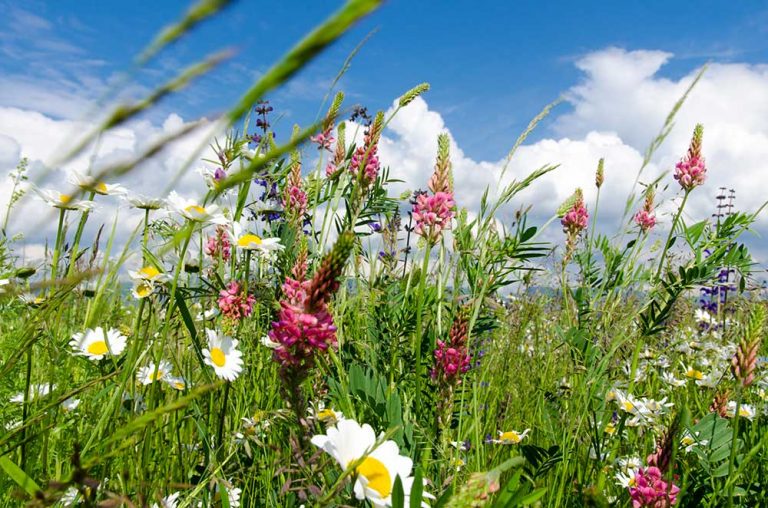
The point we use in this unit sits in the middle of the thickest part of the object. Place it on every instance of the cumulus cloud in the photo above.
(614, 111)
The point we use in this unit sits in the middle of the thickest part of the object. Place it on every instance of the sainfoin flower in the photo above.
(376, 466)
(691, 171)
(222, 354)
(97, 343)
(651, 490)
(433, 214)
(219, 244)
(645, 218)
(365, 160)
(576, 219)
(452, 357)
(304, 326)
(234, 303)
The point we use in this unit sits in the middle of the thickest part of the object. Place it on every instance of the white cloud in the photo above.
(616, 109)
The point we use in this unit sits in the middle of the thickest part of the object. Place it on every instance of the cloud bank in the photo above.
(613, 112)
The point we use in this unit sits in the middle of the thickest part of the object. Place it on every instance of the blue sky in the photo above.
(492, 65)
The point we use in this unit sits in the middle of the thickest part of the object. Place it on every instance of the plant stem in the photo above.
(671, 233)
(57, 248)
(420, 324)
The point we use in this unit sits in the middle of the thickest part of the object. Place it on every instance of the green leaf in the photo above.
(398, 495)
(417, 489)
(19, 476)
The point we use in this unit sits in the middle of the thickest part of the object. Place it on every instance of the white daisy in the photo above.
(376, 467)
(35, 391)
(96, 344)
(690, 440)
(70, 404)
(142, 289)
(90, 184)
(151, 373)
(170, 501)
(62, 201)
(246, 240)
(222, 354)
(324, 414)
(176, 382)
(149, 273)
(268, 342)
(192, 210)
(144, 203)
(511, 437)
(745, 410)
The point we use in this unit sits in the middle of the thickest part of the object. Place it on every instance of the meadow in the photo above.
(303, 336)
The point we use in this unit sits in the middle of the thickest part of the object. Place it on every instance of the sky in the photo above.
(492, 66)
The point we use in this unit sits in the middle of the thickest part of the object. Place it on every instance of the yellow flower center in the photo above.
(688, 440)
(98, 348)
(179, 385)
(694, 374)
(610, 429)
(196, 209)
(149, 272)
(101, 187)
(217, 357)
(144, 289)
(627, 406)
(65, 198)
(377, 475)
(743, 412)
(326, 414)
(511, 437)
(248, 240)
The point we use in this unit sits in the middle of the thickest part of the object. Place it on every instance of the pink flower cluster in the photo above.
(691, 172)
(219, 244)
(645, 219)
(299, 330)
(576, 219)
(234, 303)
(433, 214)
(323, 140)
(450, 360)
(367, 153)
(295, 199)
(651, 490)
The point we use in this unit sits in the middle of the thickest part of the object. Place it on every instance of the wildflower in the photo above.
(35, 391)
(575, 219)
(222, 354)
(671, 380)
(70, 404)
(271, 344)
(693, 373)
(745, 410)
(304, 325)
(170, 501)
(233, 494)
(250, 241)
(323, 140)
(376, 465)
(645, 219)
(691, 171)
(97, 343)
(650, 489)
(62, 201)
(149, 273)
(433, 214)
(511, 437)
(177, 382)
(294, 197)
(689, 440)
(365, 160)
(324, 414)
(219, 244)
(194, 211)
(90, 184)
(151, 373)
(144, 202)
(234, 303)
